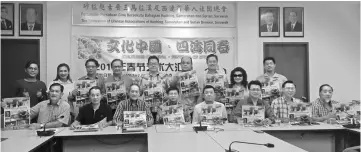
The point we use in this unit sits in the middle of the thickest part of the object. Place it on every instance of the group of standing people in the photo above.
(53, 107)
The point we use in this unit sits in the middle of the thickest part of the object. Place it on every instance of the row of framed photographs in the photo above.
(30, 19)
(293, 22)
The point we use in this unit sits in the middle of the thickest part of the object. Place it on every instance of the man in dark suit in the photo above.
(30, 24)
(5, 23)
(293, 25)
(270, 26)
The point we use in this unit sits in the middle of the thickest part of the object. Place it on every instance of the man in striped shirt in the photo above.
(133, 104)
(281, 105)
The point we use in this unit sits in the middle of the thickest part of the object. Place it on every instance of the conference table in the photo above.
(163, 138)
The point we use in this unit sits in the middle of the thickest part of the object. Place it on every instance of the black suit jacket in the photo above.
(37, 27)
(298, 27)
(9, 25)
(263, 28)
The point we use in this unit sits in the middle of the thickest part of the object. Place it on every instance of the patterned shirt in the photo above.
(281, 107)
(100, 81)
(126, 79)
(128, 105)
(319, 110)
(161, 78)
(47, 112)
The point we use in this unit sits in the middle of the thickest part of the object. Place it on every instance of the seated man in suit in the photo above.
(5, 23)
(293, 25)
(270, 26)
(30, 23)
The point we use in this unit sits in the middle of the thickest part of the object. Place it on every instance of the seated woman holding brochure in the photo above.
(94, 112)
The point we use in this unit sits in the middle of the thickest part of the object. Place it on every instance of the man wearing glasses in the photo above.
(117, 68)
(157, 80)
(91, 66)
(281, 104)
(254, 99)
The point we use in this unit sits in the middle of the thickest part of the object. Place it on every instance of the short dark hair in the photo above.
(254, 82)
(27, 65)
(207, 87)
(57, 84)
(57, 71)
(92, 60)
(324, 85)
(211, 55)
(111, 64)
(269, 58)
(244, 81)
(153, 57)
(172, 88)
(288, 81)
(187, 57)
(94, 88)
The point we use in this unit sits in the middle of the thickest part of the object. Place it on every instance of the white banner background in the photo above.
(154, 14)
(135, 52)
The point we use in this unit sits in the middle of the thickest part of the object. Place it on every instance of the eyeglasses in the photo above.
(255, 89)
(30, 68)
(153, 64)
(91, 67)
(237, 75)
(291, 89)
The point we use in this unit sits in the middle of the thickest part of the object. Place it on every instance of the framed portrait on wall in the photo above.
(7, 19)
(293, 22)
(31, 20)
(269, 21)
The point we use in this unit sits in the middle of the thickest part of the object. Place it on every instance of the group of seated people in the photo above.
(53, 107)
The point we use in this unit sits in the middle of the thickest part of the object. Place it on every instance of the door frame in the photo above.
(265, 44)
(35, 41)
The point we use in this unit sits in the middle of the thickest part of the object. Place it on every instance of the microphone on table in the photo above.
(46, 132)
(269, 145)
(200, 127)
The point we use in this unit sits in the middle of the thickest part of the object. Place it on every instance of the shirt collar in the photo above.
(136, 103)
(284, 100)
(30, 24)
(58, 103)
(96, 76)
(249, 101)
(168, 102)
(61, 82)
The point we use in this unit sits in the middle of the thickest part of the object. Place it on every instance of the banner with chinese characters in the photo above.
(135, 52)
(154, 14)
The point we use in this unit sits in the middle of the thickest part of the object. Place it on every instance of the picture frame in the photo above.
(30, 19)
(293, 22)
(269, 21)
(7, 19)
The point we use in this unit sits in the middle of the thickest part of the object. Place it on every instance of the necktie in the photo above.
(269, 29)
(293, 27)
(31, 27)
(3, 22)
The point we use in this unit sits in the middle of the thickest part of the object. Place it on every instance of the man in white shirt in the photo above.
(209, 97)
